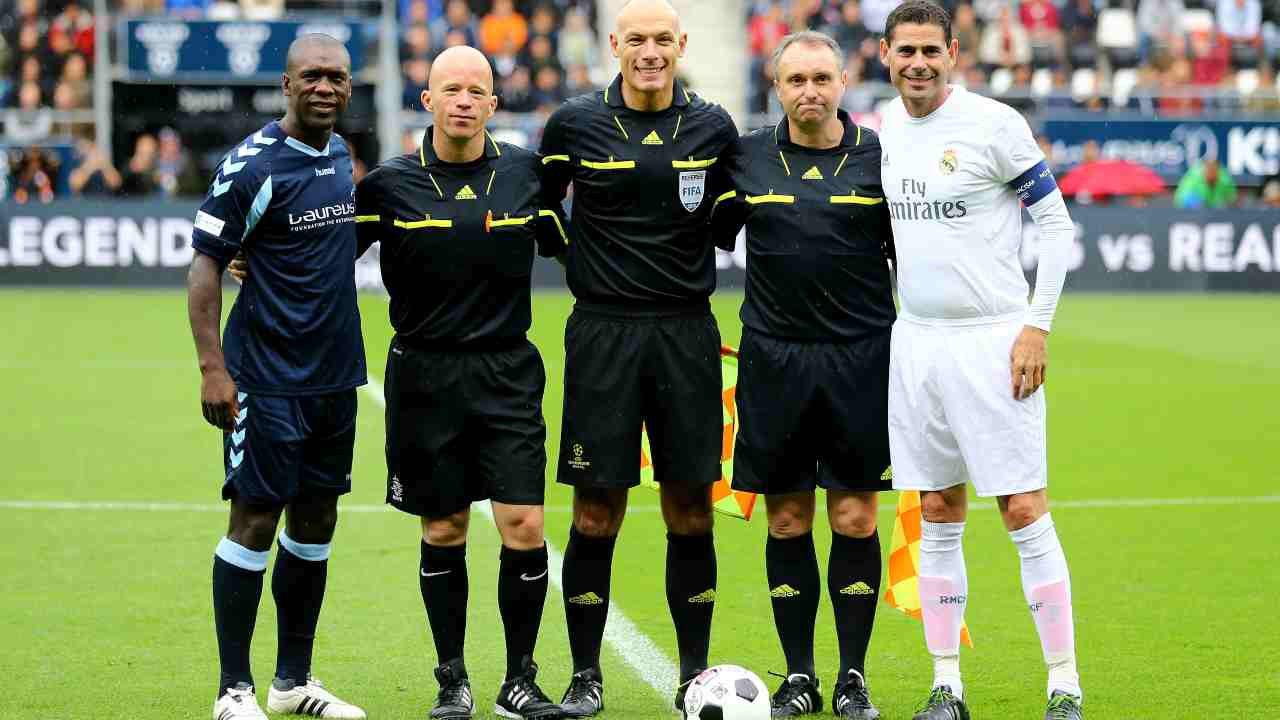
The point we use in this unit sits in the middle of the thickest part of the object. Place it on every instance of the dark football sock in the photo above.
(297, 584)
(237, 588)
(791, 565)
(442, 578)
(522, 591)
(853, 579)
(588, 564)
(691, 596)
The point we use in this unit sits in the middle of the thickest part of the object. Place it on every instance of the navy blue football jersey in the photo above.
(295, 327)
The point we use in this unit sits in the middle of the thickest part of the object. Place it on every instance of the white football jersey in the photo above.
(957, 222)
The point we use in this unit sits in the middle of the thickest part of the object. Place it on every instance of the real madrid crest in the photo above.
(949, 163)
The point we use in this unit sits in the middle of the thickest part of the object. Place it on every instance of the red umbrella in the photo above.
(1101, 178)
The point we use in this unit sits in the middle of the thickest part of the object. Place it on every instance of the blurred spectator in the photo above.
(75, 72)
(517, 91)
(420, 12)
(578, 80)
(1004, 43)
(417, 73)
(501, 26)
(506, 60)
(1240, 20)
(875, 12)
(94, 175)
(804, 14)
(1044, 28)
(765, 30)
(409, 141)
(175, 173)
(262, 9)
(543, 24)
(539, 53)
(1206, 185)
(75, 23)
(1269, 194)
(1174, 85)
(28, 122)
(29, 72)
(1159, 24)
(964, 28)
(416, 44)
(1080, 22)
(548, 89)
(859, 97)
(455, 38)
(457, 18)
(1210, 58)
(577, 41)
(33, 182)
(140, 174)
(851, 34)
(192, 9)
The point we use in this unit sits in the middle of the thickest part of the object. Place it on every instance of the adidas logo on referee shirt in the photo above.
(706, 596)
(784, 591)
(813, 173)
(466, 193)
(586, 598)
(652, 138)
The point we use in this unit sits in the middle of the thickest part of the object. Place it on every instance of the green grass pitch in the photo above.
(105, 613)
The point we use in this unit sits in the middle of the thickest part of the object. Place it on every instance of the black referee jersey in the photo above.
(458, 242)
(818, 234)
(643, 187)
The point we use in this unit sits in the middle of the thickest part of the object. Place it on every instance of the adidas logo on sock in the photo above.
(466, 193)
(812, 173)
(784, 591)
(586, 598)
(858, 588)
(651, 139)
(708, 596)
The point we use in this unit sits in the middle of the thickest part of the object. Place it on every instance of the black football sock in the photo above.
(297, 584)
(588, 565)
(853, 579)
(237, 588)
(791, 565)
(691, 596)
(522, 591)
(442, 577)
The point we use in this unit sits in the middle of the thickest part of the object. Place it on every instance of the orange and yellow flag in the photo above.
(724, 498)
(904, 561)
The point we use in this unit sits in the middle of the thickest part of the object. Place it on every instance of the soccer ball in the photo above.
(726, 692)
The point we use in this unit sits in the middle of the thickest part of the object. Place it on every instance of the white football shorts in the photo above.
(952, 415)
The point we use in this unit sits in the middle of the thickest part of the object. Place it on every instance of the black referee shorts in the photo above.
(464, 426)
(622, 371)
(812, 414)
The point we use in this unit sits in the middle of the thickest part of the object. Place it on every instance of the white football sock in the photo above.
(1046, 584)
(944, 593)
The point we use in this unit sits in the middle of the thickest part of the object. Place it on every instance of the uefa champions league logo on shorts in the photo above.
(162, 40)
(244, 41)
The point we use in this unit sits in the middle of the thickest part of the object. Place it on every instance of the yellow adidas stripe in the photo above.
(556, 218)
(510, 221)
(726, 196)
(428, 223)
(368, 218)
(691, 163)
(852, 199)
(771, 198)
(609, 165)
(551, 158)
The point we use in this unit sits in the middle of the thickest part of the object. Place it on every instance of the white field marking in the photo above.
(635, 648)
(631, 509)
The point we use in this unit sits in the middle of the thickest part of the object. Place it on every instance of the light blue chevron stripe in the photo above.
(230, 168)
(237, 437)
(220, 188)
(261, 139)
(236, 456)
(240, 396)
(260, 203)
(246, 151)
(244, 413)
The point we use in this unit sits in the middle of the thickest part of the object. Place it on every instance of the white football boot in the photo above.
(313, 700)
(238, 703)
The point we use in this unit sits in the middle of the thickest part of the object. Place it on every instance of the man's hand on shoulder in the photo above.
(238, 268)
(218, 399)
(1028, 361)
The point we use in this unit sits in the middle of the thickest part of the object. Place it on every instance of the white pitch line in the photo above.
(635, 648)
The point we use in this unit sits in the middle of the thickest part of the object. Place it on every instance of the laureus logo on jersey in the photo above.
(338, 212)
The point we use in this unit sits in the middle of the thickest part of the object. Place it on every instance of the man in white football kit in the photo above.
(968, 353)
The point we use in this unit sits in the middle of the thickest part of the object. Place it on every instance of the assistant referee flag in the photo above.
(904, 561)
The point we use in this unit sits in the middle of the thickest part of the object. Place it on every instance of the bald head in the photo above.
(646, 12)
(305, 49)
(458, 63)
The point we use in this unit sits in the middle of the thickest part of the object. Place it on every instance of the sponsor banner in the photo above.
(1249, 150)
(148, 244)
(239, 50)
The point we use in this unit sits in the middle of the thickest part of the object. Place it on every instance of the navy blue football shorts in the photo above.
(285, 448)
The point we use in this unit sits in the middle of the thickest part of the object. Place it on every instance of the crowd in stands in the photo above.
(542, 51)
(1164, 56)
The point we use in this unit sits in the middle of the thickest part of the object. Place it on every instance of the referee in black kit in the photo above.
(458, 222)
(813, 368)
(641, 345)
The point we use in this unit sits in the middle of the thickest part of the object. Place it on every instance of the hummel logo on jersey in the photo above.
(321, 172)
(858, 588)
(651, 139)
(812, 173)
(586, 598)
(706, 596)
(784, 591)
(466, 193)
